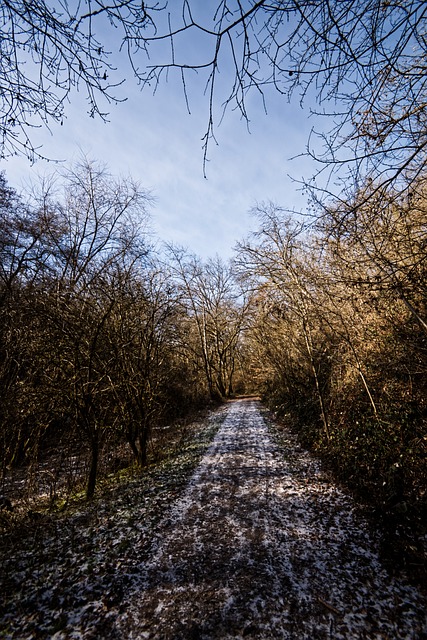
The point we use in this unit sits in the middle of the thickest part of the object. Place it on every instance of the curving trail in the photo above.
(263, 545)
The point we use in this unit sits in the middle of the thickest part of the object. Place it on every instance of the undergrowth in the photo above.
(84, 556)
(378, 463)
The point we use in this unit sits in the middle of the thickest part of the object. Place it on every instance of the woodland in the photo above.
(107, 340)
(104, 344)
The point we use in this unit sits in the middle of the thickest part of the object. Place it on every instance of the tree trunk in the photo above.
(323, 414)
(131, 435)
(143, 440)
(93, 469)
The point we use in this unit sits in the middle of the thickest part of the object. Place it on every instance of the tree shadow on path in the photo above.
(261, 546)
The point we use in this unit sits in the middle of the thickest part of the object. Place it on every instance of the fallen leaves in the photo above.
(64, 574)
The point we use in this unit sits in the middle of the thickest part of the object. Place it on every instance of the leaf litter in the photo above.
(68, 575)
(260, 543)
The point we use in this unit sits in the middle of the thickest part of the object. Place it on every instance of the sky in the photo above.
(155, 140)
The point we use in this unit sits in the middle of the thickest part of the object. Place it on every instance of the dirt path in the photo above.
(261, 546)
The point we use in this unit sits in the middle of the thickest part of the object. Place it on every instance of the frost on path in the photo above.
(262, 545)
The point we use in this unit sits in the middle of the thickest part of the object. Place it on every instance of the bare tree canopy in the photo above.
(47, 50)
(361, 63)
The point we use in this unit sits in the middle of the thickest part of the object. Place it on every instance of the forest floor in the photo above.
(258, 543)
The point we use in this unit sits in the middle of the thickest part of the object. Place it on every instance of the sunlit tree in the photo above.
(216, 317)
(284, 273)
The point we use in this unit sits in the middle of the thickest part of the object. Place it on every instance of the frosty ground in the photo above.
(260, 543)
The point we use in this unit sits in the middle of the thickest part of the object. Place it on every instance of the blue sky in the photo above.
(155, 140)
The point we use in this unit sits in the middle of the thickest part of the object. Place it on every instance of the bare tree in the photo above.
(339, 325)
(215, 314)
(23, 237)
(99, 231)
(278, 262)
(382, 237)
(141, 335)
(91, 332)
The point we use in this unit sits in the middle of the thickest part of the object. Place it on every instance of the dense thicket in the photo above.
(340, 336)
(100, 343)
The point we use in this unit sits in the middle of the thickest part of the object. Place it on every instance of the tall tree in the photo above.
(338, 319)
(216, 312)
(142, 337)
(283, 273)
(23, 263)
(97, 230)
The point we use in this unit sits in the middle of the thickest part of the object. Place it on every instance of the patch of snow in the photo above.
(264, 546)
